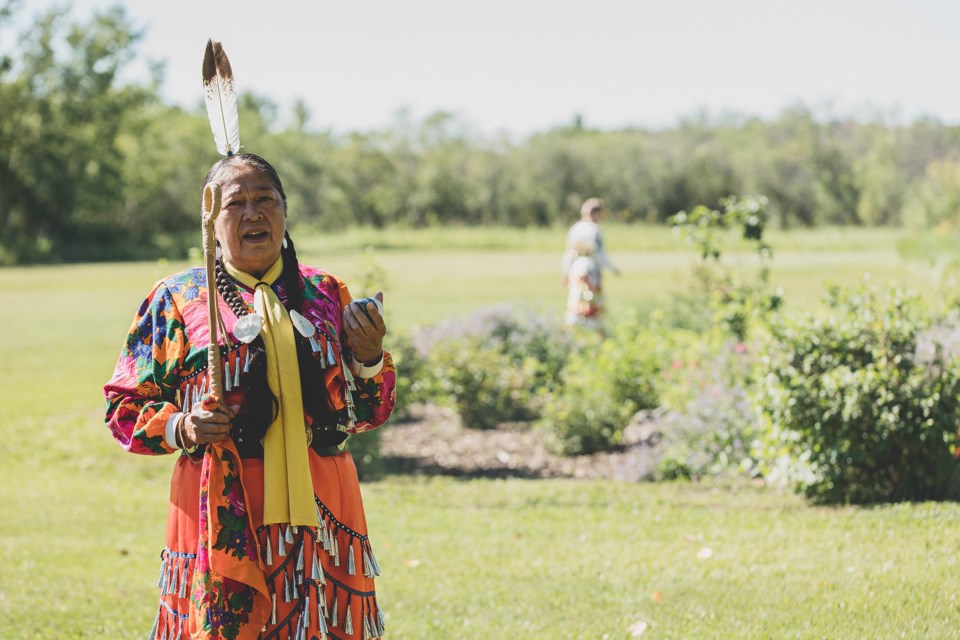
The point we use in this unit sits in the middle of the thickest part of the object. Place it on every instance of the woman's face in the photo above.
(252, 219)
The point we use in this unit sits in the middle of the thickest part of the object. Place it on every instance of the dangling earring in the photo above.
(284, 241)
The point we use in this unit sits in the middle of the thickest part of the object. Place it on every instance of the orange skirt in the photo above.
(320, 579)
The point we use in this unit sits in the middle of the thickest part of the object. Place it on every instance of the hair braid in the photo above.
(311, 375)
(292, 281)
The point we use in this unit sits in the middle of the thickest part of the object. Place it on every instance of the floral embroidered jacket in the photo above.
(162, 369)
(164, 358)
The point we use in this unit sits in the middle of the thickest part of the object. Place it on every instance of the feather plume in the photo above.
(221, 98)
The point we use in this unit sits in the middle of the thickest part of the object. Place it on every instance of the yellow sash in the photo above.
(287, 487)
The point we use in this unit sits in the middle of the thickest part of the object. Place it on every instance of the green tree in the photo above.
(61, 171)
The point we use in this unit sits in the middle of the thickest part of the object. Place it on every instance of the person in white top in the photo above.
(583, 263)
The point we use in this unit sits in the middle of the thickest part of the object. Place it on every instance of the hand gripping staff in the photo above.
(211, 209)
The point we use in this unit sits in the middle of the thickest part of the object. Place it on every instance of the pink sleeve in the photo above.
(374, 397)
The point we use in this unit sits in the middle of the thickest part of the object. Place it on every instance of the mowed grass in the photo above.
(82, 523)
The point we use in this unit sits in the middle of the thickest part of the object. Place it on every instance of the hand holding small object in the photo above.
(365, 328)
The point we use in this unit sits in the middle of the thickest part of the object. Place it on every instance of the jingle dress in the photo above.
(583, 262)
(224, 573)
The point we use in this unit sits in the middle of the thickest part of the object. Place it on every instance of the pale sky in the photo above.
(522, 66)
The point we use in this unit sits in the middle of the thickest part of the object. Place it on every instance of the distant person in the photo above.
(583, 262)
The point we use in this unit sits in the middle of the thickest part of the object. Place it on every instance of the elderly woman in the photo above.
(266, 535)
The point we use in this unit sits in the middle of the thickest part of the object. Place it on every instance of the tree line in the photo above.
(92, 168)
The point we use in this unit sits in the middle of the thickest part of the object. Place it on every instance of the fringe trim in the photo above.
(176, 570)
(169, 623)
(321, 604)
(336, 610)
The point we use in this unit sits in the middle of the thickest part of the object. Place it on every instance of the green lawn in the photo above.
(81, 523)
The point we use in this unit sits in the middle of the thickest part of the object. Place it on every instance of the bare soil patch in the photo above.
(435, 442)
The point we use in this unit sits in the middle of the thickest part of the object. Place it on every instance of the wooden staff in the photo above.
(211, 209)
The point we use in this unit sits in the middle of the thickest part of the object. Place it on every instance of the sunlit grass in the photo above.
(81, 523)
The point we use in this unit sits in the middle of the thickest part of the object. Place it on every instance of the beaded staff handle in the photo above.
(211, 209)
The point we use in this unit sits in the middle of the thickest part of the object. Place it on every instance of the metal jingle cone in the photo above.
(183, 581)
(281, 548)
(367, 630)
(348, 621)
(367, 565)
(163, 570)
(322, 623)
(315, 573)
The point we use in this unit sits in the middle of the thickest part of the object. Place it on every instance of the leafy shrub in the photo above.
(727, 298)
(605, 382)
(365, 449)
(862, 406)
(414, 382)
(496, 366)
(709, 426)
(486, 385)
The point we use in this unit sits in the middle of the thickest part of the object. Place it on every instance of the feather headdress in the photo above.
(221, 98)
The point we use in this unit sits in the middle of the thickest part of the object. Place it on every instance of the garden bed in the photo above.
(434, 442)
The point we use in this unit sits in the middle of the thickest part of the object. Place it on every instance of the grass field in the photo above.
(81, 522)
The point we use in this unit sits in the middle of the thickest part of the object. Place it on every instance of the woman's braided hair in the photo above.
(260, 405)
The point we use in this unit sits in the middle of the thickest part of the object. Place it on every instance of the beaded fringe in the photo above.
(322, 604)
(297, 576)
(176, 570)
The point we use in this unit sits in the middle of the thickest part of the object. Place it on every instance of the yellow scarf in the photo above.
(287, 486)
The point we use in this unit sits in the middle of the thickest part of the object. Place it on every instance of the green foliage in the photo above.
(61, 171)
(605, 382)
(365, 449)
(732, 302)
(414, 381)
(488, 385)
(709, 425)
(934, 200)
(91, 168)
(497, 366)
(863, 406)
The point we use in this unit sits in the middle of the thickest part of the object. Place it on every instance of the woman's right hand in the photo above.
(204, 427)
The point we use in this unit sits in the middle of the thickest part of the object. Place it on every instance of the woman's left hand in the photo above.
(365, 330)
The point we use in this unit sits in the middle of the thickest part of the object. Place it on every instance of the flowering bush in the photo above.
(709, 424)
(863, 406)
